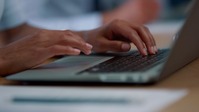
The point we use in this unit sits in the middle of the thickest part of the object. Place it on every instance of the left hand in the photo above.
(37, 48)
(118, 35)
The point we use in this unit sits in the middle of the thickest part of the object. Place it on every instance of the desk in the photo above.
(186, 78)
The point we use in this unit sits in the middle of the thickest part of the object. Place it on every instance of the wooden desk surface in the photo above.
(186, 78)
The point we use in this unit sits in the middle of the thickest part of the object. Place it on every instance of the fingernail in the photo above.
(156, 49)
(153, 50)
(89, 52)
(126, 47)
(145, 52)
(76, 50)
(89, 46)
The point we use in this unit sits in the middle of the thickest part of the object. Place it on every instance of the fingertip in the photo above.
(156, 49)
(88, 49)
(88, 52)
(89, 46)
(145, 53)
(152, 50)
(76, 51)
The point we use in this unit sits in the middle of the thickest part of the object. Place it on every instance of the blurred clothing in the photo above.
(68, 8)
(78, 14)
(174, 9)
(11, 14)
(85, 14)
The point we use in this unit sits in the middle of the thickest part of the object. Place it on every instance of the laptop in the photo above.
(128, 68)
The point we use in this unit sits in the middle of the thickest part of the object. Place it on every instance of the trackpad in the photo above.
(75, 63)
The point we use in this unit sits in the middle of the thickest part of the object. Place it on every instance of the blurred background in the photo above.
(89, 14)
(174, 9)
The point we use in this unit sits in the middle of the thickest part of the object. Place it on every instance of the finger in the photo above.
(152, 39)
(83, 46)
(155, 45)
(76, 42)
(146, 38)
(68, 38)
(62, 50)
(116, 46)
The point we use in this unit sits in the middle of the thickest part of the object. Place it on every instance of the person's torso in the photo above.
(77, 7)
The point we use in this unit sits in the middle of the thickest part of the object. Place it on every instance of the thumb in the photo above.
(117, 46)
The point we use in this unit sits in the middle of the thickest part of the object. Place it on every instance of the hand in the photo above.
(118, 35)
(37, 48)
(135, 11)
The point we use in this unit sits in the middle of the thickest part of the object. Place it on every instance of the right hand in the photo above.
(118, 35)
(37, 48)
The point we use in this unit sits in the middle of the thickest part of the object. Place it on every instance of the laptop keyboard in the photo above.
(131, 63)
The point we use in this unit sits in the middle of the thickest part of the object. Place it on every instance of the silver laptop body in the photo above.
(185, 49)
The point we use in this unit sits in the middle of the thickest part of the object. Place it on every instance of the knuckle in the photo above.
(42, 35)
(78, 38)
(116, 22)
(149, 43)
(68, 33)
(81, 43)
(39, 51)
(63, 37)
(78, 41)
(146, 28)
(141, 28)
(133, 33)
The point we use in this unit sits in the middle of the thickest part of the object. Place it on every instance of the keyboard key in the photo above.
(131, 63)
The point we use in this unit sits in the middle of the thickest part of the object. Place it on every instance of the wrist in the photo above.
(107, 17)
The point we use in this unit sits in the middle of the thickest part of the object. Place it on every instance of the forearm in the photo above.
(19, 32)
(2, 38)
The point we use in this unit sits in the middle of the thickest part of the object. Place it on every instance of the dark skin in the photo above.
(26, 47)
